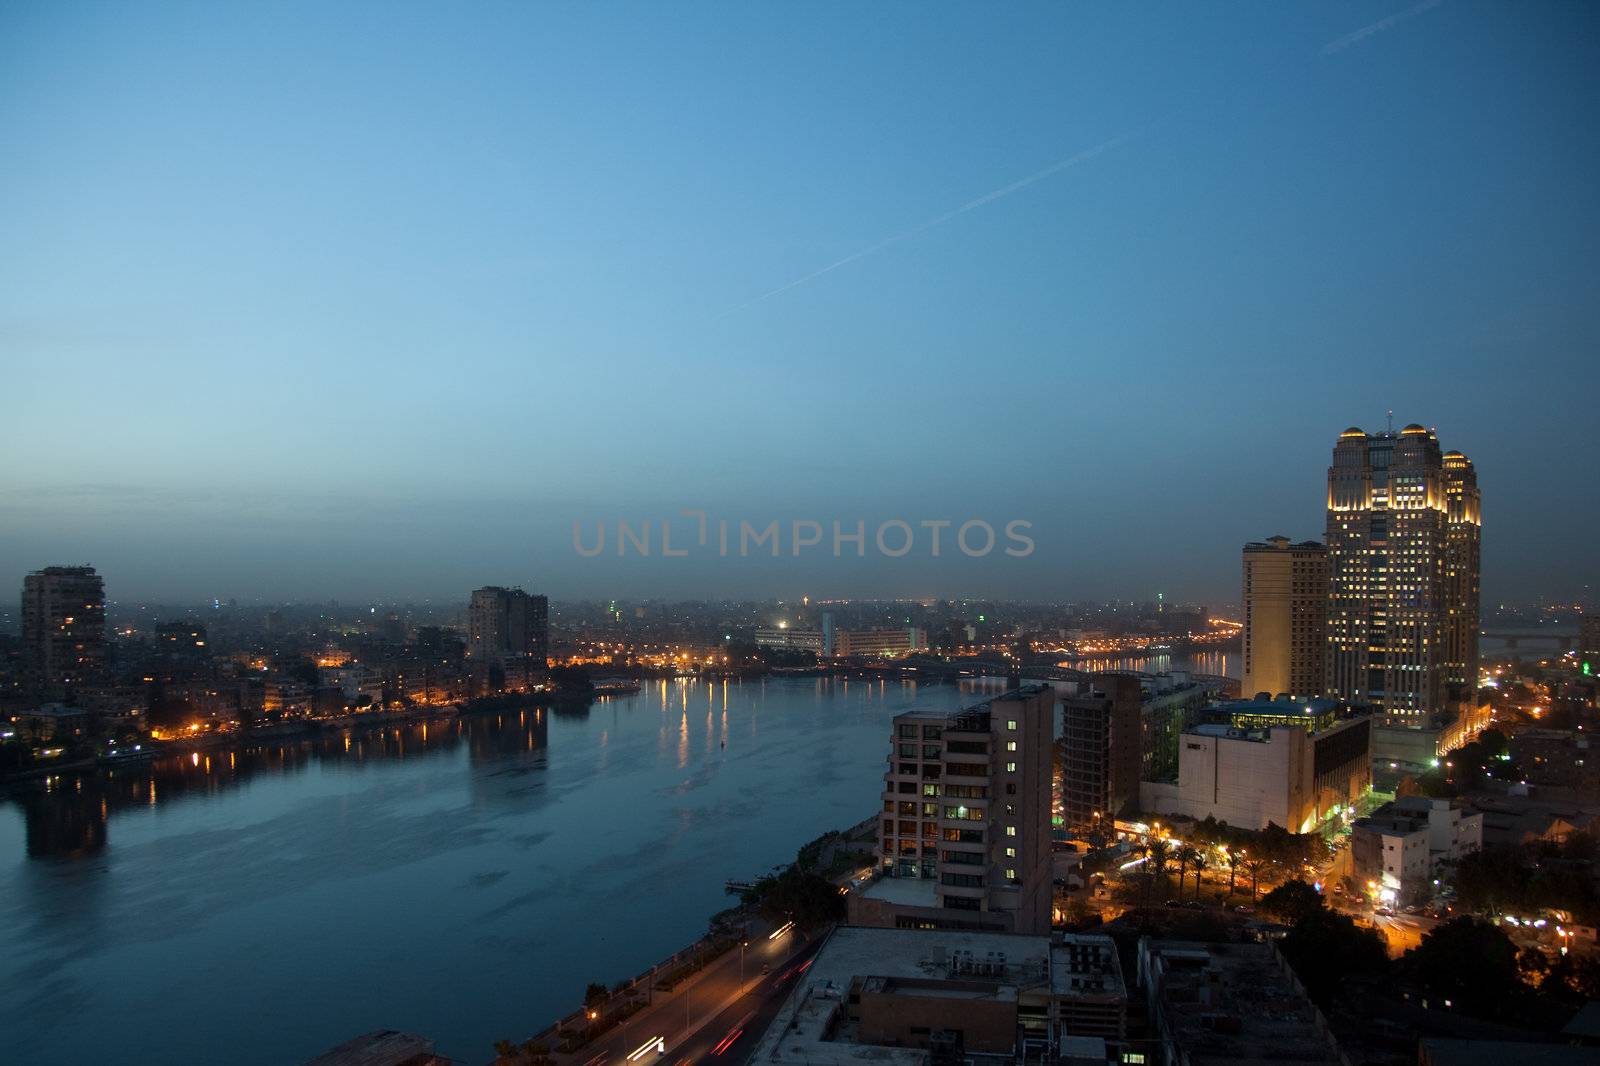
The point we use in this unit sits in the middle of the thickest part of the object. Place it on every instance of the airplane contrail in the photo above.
(922, 227)
(1339, 44)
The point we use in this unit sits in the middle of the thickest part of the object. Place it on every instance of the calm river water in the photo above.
(463, 879)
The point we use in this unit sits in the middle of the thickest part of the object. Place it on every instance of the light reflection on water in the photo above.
(1220, 663)
(461, 878)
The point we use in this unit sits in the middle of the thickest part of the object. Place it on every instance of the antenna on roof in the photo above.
(1391, 422)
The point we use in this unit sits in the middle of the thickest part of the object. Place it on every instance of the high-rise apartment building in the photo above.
(965, 836)
(63, 628)
(506, 624)
(1102, 749)
(1402, 537)
(1285, 617)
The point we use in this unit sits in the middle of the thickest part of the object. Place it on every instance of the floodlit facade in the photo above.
(877, 642)
(1289, 763)
(1285, 600)
(1402, 539)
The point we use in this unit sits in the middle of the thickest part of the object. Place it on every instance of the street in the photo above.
(716, 1012)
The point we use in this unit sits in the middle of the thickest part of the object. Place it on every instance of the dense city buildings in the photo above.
(1256, 763)
(1402, 540)
(506, 625)
(1285, 597)
(1102, 735)
(63, 629)
(964, 840)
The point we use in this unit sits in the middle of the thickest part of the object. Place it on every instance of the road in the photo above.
(729, 1038)
(729, 999)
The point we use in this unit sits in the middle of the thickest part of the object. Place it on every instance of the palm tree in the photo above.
(1253, 865)
(1232, 859)
(1199, 864)
(1187, 856)
(1156, 853)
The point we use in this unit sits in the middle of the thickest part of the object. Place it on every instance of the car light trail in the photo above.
(782, 929)
(655, 1043)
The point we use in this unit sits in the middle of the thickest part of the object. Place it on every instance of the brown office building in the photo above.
(1102, 748)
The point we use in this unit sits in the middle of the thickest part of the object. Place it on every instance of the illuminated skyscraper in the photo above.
(1285, 617)
(1402, 536)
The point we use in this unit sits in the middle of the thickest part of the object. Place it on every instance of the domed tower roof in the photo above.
(1353, 431)
(1413, 430)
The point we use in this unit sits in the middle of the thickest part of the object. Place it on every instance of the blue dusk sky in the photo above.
(376, 300)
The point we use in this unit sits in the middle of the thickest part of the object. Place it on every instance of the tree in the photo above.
(571, 680)
(1187, 856)
(807, 899)
(1292, 901)
(596, 993)
(1156, 853)
(1327, 948)
(528, 1053)
(1253, 865)
(1199, 864)
(1231, 857)
(1468, 962)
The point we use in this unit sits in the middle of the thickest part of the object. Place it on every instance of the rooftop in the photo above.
(1234, 1003)
(811, 1025)
(906, 891)
(1086, 965)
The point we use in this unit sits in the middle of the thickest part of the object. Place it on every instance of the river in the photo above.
(463, 879)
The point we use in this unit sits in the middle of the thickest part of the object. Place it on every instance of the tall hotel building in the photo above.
(1402, 536)
(964, 841)
(1285, 618)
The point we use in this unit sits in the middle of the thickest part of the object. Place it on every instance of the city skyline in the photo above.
(1065, 286)
(921, 534)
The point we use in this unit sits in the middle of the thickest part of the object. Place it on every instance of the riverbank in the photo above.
(240, 738)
